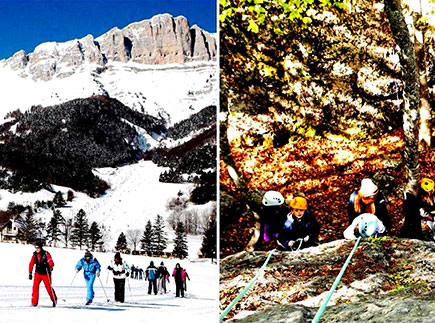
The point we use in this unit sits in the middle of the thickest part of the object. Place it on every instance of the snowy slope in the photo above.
(136, 196)
(199, 305)
(172, 92)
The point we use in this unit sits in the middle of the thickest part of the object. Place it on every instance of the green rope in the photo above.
(300, 244)
(336, 282)
(229, 307)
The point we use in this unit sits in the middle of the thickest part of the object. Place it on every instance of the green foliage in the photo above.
(53, 228)
(259, 44)
(209, 240)
(159, 236)
(147, 239)
(80, 230)
(28, 227)
(180, 242)
(121, 244)
(95, 237)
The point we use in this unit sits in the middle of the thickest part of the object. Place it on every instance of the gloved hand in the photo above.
(30, 276)
(98, 274)
(127, 274)
(291, 243)
(288, 224)
(110, 268)
(77, 271)
(306, 238)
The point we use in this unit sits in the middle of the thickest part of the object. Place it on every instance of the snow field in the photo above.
(199, 305)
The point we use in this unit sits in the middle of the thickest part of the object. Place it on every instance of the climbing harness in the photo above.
(229, 307)
(336, 282)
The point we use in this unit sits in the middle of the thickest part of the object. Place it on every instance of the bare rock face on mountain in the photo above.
(18, 61)
(162, 39)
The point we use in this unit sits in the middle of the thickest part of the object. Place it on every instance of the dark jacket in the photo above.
(381, 211)
(294, 228)
(426, 203)
(153, 269)
(163, 272)
(42, 261)
(273, 218)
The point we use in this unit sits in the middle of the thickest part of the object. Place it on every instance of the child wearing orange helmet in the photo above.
(300, 225)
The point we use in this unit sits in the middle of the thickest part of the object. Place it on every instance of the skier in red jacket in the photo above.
(44, 264)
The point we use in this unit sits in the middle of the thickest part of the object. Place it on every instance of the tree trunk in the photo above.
(424, 135)
(411, 116)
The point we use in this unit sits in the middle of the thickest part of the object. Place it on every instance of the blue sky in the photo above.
(24, 24)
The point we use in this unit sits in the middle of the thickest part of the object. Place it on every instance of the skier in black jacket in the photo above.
(163, 275)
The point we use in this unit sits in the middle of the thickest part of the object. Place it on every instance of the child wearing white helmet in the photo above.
(364, 225)
(368, 199)
(274, 214)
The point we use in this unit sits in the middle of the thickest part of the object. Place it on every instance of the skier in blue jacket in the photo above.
(91, 268)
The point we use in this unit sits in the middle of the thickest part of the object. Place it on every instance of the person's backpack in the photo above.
(151, 274)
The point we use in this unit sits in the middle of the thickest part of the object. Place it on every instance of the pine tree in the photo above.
(80, 230)
(95, 237)
(53, 227)
(121, 244)
(28, 227)
(159, 237)
(66, 232)
(69, 195)
(180, 242)
(58, 199)
(147, 239)
(209, 240)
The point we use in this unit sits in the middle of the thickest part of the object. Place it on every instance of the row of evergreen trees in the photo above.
(154, 240)
(72, 232)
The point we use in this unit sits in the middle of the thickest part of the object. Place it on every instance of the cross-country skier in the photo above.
(163, 277)
(91, 268)
(178, 276)
(120, 271)
(185, 277)
(151, 275)
(44, 264)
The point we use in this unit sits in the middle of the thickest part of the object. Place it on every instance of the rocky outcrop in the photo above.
(162, 39)
(388, 280)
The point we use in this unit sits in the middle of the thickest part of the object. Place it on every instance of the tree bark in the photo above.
(411, 117)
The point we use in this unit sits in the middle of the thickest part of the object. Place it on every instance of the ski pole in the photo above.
(128, 283)
(51, 286)
(69, 288)
(108, 300)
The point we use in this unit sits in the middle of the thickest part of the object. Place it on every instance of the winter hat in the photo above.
(152, 263)
(39, 244)
(118, 256)
(368, 188)
(161, 264)
(88, 254)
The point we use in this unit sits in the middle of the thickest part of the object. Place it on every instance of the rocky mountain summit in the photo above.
(163, 39)
(388, 280)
